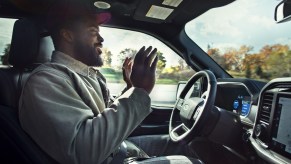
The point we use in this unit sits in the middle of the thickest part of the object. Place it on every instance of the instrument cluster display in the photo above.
(242, 105)
(233, 97)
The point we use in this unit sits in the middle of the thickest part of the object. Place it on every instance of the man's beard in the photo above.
(88, 55)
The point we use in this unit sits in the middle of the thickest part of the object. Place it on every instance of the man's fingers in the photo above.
(150, 58)
(125, 63)
(146, 52)
(154, 65)
(130, 63)
(142, 55)
(139, 54)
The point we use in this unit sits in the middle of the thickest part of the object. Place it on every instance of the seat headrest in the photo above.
(46, 47)
(28, 44)
(24, 43)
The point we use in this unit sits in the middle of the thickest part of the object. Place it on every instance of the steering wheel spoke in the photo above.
(196, 114)
(179, 132)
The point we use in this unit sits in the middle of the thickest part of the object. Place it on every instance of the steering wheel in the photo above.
(192, 111)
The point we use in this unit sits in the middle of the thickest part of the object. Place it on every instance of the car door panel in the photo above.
(157, 122)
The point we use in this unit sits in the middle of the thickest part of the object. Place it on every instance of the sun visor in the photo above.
(158, 11)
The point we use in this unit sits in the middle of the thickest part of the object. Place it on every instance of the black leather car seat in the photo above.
(29, 47)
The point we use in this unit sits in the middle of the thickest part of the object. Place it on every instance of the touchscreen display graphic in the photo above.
(242, 105)
(281, 133)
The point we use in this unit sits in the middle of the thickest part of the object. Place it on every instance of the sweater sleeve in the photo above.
(54, 115)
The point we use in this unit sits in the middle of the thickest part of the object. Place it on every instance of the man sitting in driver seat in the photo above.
(65, 104)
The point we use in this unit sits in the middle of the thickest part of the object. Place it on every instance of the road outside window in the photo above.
(171, 68)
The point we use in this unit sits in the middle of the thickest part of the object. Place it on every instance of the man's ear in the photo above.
(67, 35)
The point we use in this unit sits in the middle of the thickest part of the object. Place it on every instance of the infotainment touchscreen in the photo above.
(281, 128)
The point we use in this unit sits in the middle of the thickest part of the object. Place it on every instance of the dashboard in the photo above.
(240, 97)
(271, 135)
(264, 110)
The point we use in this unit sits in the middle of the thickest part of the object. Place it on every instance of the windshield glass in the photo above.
(244, 39)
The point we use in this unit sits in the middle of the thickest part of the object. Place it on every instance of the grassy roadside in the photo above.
(113, 76)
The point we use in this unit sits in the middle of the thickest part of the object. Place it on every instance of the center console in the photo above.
(271, 136)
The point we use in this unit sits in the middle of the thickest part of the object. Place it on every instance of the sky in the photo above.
(244, 22)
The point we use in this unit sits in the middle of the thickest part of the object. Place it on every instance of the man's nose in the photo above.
(100, 39)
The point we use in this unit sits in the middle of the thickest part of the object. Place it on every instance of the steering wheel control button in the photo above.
(196, 114)
(186, 107)
(179, 104)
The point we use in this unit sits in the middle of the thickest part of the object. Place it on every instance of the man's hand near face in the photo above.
(126, 70)
(143, 69)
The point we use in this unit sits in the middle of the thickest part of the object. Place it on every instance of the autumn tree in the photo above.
(269, 51)
(248, 71)
(253, 60)
(214, 53)
(234, 57)
(259, 71)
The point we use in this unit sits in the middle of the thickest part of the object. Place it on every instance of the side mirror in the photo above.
(283, 11)
(181, 85)
(195, 90)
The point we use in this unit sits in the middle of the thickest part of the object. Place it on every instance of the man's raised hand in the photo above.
(144, 69)
(126, 70)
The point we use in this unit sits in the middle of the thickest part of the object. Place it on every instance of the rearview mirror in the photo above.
(283, 11)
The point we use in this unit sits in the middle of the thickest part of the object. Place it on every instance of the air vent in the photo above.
(266, 107)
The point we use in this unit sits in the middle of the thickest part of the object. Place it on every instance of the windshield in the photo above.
(244, 39)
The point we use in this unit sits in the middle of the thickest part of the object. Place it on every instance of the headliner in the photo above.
(129, 14)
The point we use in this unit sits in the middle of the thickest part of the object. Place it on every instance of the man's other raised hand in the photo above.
(144, 69)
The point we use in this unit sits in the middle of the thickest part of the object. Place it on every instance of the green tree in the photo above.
(107, 57)
(161, 62)
(182, 64)
(278, 62)
(4, 58)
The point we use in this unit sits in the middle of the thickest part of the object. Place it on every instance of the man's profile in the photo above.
(64, 105)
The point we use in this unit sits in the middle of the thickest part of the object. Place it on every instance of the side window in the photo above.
(171, 68)
(6, 26)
